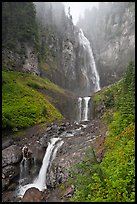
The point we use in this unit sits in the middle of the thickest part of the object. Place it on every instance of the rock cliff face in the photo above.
(58, 53)
(64, 58)
(26, 62)
(19, 37)
(111, 30)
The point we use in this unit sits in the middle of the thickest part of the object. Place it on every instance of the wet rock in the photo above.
(61, 177)
(11, 155)
(7, 144)
(48, 129)
(38, 153)
(8, 174)
(10, 171)
(44, 141)
(61, 129)
(67, 123)
(55, 176)
(54, 129)
(5, 183)
(51, 179)
(32, 195)
(12, 187)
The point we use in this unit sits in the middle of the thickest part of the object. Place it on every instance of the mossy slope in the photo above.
(22, 105)
(113, 179)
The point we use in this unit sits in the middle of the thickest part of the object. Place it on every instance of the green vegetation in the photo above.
(22, 105)
(18, 24)
(112, 180)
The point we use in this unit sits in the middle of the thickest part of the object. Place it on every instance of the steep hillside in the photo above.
(111, 30)
(19, 37)
(63, 56)
(112, 179)
(29, 100)
(47, 43)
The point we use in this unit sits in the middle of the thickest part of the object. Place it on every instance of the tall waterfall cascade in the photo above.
(50, 154)
(90, 72)
(91, 76)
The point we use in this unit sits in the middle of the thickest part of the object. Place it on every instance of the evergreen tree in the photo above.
(18, 23)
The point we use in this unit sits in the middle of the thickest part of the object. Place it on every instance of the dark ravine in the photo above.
(76, 136)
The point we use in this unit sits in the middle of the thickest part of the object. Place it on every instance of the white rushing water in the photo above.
(85, 111)
(40, 181)
(94, 76)
(79, 108)
(90, 74)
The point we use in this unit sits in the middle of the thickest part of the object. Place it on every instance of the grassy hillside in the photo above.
(22, 104)
(112, 180)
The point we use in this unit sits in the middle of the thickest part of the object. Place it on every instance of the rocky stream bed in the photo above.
(76, 137)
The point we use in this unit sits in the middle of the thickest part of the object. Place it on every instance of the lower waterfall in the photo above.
(83, 107)
(40, 181)
(85, 111)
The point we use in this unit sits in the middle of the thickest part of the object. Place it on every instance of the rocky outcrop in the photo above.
(11, 155)
(111, 30)
(31, 62)
(8, 174)
(6, 143)
(59, 55)
(32, 195)
(23, 59)
(12, 60)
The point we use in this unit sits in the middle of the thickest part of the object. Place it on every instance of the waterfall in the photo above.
(24, 169)
(83, 108)
(90, 75)
(90, 72)
(56, 149)
(85, 111)
(40, 181)
(79, 108)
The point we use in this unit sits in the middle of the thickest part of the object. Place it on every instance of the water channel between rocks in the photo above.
(62, 151)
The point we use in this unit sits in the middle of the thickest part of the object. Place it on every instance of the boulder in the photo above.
(8, 174)
(32, 195)
(7, 143)
(11, 155)
(61, 129)
(10, 171)
(44, 141)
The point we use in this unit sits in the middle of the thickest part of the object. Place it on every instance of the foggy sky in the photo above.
(77, 8)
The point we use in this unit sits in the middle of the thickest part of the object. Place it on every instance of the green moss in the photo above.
(22, 106)
(115, 181)
(38, 82)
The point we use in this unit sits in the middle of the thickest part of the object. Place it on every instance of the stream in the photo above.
(66, 146)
